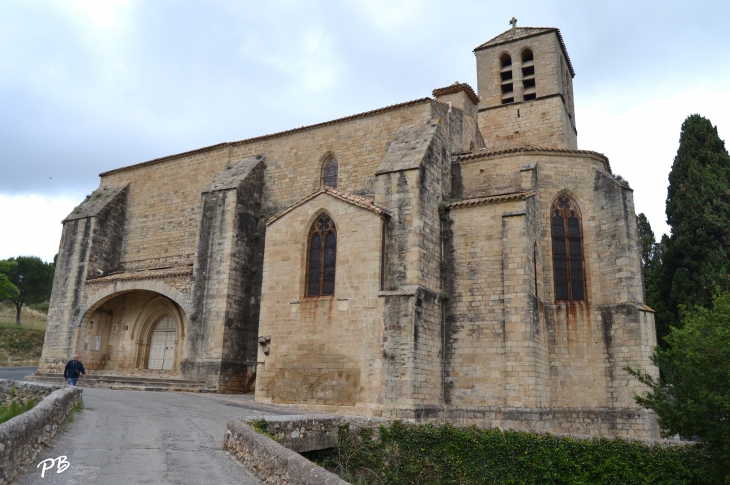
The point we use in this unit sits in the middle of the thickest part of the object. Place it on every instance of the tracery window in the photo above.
(329, 173)
(321, 257)
(567, 250)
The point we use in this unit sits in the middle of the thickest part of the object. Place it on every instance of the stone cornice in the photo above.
(357, 200)
(537, 150)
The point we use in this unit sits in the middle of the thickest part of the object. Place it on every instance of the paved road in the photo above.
(16, 373)
(137, 437)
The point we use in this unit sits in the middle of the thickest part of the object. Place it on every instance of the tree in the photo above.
(7, 288)
(32, 278)
(647, 245)
(696, 263)
(692, 395)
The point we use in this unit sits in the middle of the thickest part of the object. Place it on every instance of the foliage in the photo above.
(430, 454)
(13, 409)
(78, 407)
(7, 288)
(261, 426)
(621, 180)
(20, 345)
(696, 263)
(656, 286)
(692, 396)
(32, 278)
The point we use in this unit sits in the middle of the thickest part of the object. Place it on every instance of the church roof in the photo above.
(143, 274)
(455, 88)
(534, 149)
(266, 137)
(96, 202)
(363, 202)
(525, 33)
(490, 199)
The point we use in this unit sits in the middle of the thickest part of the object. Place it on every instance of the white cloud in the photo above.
(32, 224)
(640, 136)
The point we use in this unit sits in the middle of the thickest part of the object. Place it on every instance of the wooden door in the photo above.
(162, 345)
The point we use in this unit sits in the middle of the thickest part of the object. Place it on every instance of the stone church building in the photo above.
(452, 258)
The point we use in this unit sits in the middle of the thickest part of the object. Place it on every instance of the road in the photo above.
(16, 373)
(138, 437)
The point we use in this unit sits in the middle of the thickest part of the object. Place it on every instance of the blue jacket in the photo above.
(73, 369)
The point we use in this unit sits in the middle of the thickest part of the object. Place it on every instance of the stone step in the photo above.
(127, 378)
(126, 382)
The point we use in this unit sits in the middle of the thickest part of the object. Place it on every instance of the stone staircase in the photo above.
(138, 381)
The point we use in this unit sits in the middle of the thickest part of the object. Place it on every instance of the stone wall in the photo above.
(542, 122)
(23, 437)
(271, 462)
(22, 392)
(509, 342)
(303, 433)
(548, 120)
(221, 339)
(334, 356)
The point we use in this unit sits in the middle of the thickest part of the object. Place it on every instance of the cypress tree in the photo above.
(696, 262)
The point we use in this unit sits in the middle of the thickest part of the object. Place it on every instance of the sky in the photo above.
(88, 86)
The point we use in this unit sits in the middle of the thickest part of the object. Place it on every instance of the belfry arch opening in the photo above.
(528, 75)
(506, 81)
(136, 330)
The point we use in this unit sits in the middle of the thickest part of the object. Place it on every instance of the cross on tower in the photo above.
(513, 22)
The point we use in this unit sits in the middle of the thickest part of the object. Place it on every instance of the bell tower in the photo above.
(525, 84)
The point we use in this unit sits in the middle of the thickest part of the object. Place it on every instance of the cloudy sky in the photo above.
(87, 86)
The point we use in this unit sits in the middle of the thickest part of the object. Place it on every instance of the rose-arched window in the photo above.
(567, 250)
(321, 257)
(329, 173)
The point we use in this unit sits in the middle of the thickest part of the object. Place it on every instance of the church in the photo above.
(453, 258)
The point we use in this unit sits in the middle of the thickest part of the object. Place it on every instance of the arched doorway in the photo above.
(162, 344)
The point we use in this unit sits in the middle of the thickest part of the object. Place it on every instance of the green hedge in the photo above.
(428, 454)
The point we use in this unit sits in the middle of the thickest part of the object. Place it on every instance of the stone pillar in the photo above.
(91, 243)
(221, 341)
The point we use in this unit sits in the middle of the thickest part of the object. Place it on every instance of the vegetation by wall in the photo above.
(428, 454)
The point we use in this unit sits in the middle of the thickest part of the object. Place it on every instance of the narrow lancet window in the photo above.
(322, 257)
(567, 250)
(528, 75)
(329, 174)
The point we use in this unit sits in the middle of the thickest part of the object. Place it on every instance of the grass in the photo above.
(14, 409)
(29, 318)
(21, 345)
(78, 407)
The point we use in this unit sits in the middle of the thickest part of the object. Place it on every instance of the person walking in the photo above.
(73, 369)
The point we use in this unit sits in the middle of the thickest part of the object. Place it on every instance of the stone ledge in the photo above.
(271, 462)
(310, 432)
(23, 437)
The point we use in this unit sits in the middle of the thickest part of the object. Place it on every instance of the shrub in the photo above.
(430, 454)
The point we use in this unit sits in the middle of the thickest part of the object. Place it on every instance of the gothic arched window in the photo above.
(321, 257)
(329, 173)
(567, 250)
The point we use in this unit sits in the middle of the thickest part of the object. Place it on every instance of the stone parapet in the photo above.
(23, 437)
(270, 461)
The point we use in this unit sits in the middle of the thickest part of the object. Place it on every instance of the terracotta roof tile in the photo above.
(142, 274)
(455, 88)
(358, 200)
(534, 149)
(490, 199)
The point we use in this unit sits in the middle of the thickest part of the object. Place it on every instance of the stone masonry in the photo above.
(445, 303)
